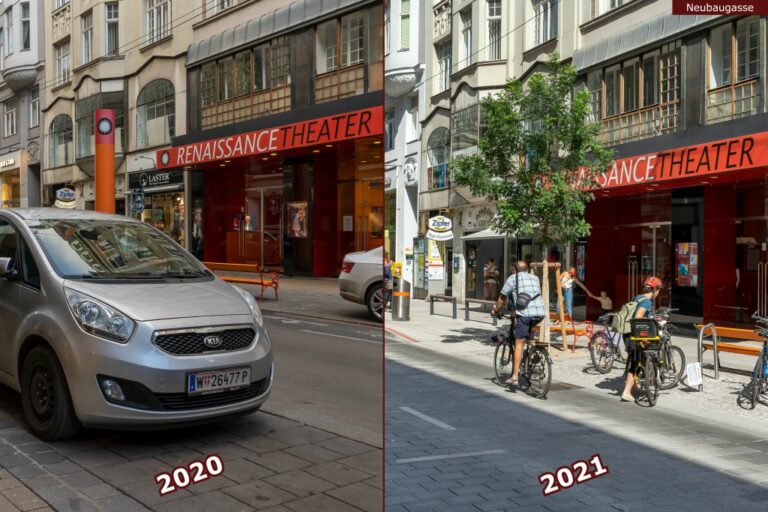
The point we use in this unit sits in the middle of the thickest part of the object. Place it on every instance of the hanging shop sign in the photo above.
(324, 130)
(713, 158)
(155, 179)
(65, 198)
(440, 228)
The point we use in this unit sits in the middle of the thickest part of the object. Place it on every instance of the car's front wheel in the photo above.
(45, 396)
(374, 299)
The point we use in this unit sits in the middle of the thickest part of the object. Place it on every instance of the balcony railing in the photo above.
(340, 83)
(641, 124)
(733, 101)
(241, 108)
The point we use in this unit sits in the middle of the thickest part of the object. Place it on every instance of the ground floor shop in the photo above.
(269, 198)
(20, 178)
(157, 198)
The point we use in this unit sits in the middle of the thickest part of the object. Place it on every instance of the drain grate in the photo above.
(562, 386)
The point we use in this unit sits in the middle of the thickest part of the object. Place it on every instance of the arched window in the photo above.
(437, 159)
(60, 141)
(155, 114)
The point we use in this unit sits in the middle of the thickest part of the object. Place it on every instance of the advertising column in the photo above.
(104, 120)
(440, 231)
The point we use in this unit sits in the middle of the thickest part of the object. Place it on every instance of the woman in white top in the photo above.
(490, 280)
(566, 282)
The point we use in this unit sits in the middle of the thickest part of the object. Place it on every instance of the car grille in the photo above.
(179, 401)
(188, 343)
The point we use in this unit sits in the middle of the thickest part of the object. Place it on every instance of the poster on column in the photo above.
(687, 264)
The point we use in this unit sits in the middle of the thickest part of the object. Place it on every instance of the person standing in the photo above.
(567, 280)
(524, 292)
(651, 290)
(490, 279)
(388, 281)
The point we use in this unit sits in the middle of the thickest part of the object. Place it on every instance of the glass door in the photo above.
(262, 227)
(656, 260)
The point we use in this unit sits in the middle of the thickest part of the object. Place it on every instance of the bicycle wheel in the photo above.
(502, 362)
(538, 372)
(651, 379)
(671, 370)
(602, 352)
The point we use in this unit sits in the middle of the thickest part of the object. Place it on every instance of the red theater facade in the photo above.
(696, 215)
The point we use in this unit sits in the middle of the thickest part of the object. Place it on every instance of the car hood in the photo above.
(161, 301)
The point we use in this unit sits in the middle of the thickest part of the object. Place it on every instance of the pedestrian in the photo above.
(490, 279)
(387, 280)
(605, 301)
(566, 283)
(651, 290)
(523, 291)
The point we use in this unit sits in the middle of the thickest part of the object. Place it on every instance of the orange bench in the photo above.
(265, 279)
(576, 329)
(736, 333)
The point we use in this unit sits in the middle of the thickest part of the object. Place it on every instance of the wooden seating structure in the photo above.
(265, 279)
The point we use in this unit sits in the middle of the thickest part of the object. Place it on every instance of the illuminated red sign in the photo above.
(717, 157)
(324, 130)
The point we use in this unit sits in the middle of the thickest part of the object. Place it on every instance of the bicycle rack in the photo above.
(713, 333)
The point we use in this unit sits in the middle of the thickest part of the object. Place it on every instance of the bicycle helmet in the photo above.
(653, 282)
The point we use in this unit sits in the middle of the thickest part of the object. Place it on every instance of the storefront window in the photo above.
(10, 189)
(60, 141)
(155, 114)
(166, 213)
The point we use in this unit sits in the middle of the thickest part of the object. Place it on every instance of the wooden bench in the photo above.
(265, 279)
(736, 333)
(444, 298)
(575, 329)
(467, 302)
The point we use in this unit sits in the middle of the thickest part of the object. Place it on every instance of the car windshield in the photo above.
(93, 249)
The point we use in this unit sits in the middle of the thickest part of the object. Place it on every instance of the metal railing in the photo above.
(762, 289)
(713, 333)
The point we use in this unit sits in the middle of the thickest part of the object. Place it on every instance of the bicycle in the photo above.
(605, 345)
(646, 336)
(535, 368)
(758, 384)
(672, 357)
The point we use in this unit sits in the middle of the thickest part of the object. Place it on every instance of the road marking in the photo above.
(449, 456)
(400, 335)
(427, 418)
(340, 336)
(292, 321)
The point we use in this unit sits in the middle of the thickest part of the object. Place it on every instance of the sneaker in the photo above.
(627, 397)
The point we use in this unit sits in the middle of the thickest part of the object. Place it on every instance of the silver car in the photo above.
(362, 280)
(105, 321)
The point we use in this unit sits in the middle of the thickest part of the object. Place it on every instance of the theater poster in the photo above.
(687, 264)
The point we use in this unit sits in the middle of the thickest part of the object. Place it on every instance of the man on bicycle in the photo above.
(524, 292)
(651, 290)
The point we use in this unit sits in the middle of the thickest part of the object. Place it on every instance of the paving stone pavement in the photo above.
(658, 459)
(270, 463)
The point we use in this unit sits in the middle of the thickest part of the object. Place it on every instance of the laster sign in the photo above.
(718, 157)
(325, 130)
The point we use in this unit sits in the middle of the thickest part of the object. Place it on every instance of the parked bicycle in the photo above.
(671, 357)
(535, 368)
(758, 384)
(605, 345)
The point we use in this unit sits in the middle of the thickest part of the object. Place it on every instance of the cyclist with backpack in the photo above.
(524, 292)
(640, 307)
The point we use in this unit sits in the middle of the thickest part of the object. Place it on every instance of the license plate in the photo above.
(218, 381)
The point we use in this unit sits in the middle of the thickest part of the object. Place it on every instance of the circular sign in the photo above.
(165, 158)
(65, 194)
(440, 224)
(144, 180)
(104, 126)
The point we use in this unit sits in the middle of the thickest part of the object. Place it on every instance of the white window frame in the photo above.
(615, 72)
(653, 59)
(111, 17)
(158, 20)
(352, 47)
(34, 108)
(262, 70)
(595, 88)
(751, 28)
(723, 74)
(405, 25)
(62, 62)
(493, 33)
(387, 30)
(2, 49)
(220, 5)
(60, 3)
(444, 64)
(86, 45)
(327, 52)
(390, 129)
(10, 118)
(465, 43)
(631, 85)
(25, 26)
(9, 30)
(546, 20)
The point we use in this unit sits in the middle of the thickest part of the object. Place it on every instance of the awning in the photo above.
(486, 234)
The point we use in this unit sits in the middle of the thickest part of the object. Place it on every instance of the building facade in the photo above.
(22, 76)
(283, 144)
(405, 80)
(130, 58)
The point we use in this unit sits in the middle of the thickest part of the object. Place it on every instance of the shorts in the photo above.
(524, 325)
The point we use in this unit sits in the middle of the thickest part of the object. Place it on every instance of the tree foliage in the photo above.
(539, 156)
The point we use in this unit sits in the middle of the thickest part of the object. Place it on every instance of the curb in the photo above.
(400, 335)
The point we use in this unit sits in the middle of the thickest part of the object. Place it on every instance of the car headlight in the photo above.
(255, 310)
(98, 318)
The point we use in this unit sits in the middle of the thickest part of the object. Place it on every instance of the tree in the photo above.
(539, 157)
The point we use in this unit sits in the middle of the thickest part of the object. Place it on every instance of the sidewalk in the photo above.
(307, 296)
(471, 340)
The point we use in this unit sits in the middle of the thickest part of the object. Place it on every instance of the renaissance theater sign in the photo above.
(324, 130)
(721, 158)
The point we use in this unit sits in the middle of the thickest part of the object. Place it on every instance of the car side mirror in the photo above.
(6, 269)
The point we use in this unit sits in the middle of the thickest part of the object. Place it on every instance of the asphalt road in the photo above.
(329, 375)
(462, 443)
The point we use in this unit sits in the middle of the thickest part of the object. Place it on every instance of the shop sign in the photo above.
(325, 130)
(65, 194)
(440, 223)
(155, 179)
(717, 157)
(440, 236)
(7, 161)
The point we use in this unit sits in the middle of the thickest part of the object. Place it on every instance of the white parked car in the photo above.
(362, 280)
